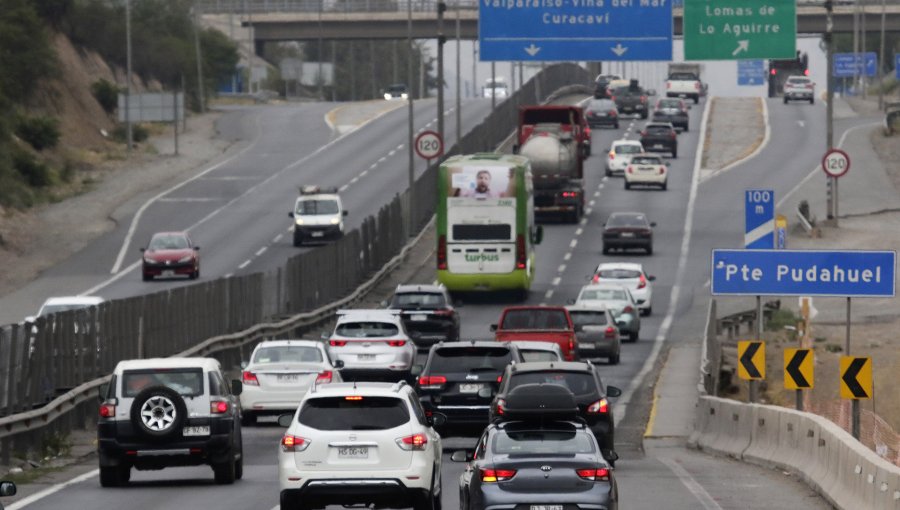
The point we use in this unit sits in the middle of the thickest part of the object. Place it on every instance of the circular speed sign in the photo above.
(836, 163)
(429, 145)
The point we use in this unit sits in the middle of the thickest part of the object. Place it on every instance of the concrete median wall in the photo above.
(843, 470)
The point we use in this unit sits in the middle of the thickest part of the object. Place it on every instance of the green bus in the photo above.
(485, 223)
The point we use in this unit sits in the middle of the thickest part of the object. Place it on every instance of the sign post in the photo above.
(511, 30)
(731, 30)
(856, 384)
(835, 163)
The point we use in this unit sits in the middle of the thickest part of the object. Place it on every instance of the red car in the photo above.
(170, 254)
(538, 324)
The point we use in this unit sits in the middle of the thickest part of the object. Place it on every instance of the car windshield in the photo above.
(646, 160)
(579, 383)
(669, 103)
(798, 81)
(530, 442)
(287, 354)
(187, 382)
(535, 319)
(419, 300)
(627, 220)
(48, 309)
(353, 413)
(658, 129)
(588, 317)
(369, 329)
(682, 76)
(397, 89)
(469, 358)
(604, 294)
(168, 242)
(316, 206)
(618, 274)
(628, 148)
(528, 355)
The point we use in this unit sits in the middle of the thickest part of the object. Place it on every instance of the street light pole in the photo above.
(409, 100)
(881, 61)
(459, 78)
(128, 134)
(441, 7)
(829, 106)
(199, 55)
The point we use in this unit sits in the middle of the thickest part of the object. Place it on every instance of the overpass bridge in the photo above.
(298, 20)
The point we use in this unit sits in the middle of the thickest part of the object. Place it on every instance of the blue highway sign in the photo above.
(897, 66)
(854, 64)
(759, 219)
(575, 30)
(751, 72)
(803, 273)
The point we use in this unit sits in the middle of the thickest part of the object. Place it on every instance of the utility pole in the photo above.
(409, 100)
(829, 106)
(251, 47)
(441, 7)
(459, 77)
(881, 61)
(493, 85)
(862, 43)
(475, 69)
(128, 133)
(199, 55)
(321, 79)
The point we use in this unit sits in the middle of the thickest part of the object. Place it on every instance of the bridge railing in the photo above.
(274, 6)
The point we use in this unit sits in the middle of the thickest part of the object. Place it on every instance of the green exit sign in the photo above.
(739, 29)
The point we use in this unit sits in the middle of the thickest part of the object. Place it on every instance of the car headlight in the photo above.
(335, 221)
(299, 221)
(186, 258)
(404, 95)
(387, 96)
(149, 260)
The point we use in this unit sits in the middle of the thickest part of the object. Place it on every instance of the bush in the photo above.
(107, 94)
(138, 133)
(36, 174)
(40, 132)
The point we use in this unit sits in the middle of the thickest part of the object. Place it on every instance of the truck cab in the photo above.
(318, 215)
(538, 324)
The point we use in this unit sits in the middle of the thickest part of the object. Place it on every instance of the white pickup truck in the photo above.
(684, 81)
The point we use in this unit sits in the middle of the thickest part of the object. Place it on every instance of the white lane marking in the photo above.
(230, 178)
(343, 188)
(561, 268)
(400, 147)
(393, 151)
(636, 381)
(277, 238)
(579, 231)
(229, 275)
(261, 251)
(592, 203)
(604, 179)
(756, 151)
(555, 281)
(290, 229)
(802, 123)
(692, 485)
(567, 256)
(363, 173)
(353, 180)
(548, 294)
(818, 168)
(189, 199)
(601, 186)
(245, 264)
(585, 220)
(596, 194)
(588, 211)
(574, 243)
(53, 489)
(382, 159)
(140, 212)
(373, 166)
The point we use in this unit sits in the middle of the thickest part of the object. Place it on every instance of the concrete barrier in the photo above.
(703, 422)
(763, 437)
(734, 426)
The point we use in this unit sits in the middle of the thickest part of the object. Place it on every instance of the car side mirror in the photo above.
(416, 370)
(493, 327)
(244, 365)
(612, 391)
(462, 456)
(196, 248)
(285, 420)
(7, 489)
(291, 214)
(652, 223)
(651, 278)
(324, 335)
(383, 304)
(621, 324)
(436, 420)
(142, 250)
(538, 235)
(346, 213)
(338, 364)
(237, 387)
(486, 392)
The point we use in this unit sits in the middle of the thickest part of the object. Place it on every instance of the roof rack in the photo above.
(540, 402)
(399, 385)
(311, 189)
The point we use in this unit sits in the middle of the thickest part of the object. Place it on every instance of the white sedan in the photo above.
(620, 155)
(631, 276)
(647, 170)
(279, 374)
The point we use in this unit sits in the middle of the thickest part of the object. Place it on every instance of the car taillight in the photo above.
(107, 411)
(642, 282)
(291, 443)
(773, 72)
(672, 135)
(521, 257)
(500, 405)
(249, 378)
(396, 343)
(644, 133)
(413, 442)
(218, 407)
(442, 252)
(596, 475)
(630, 169)
(610, 332)
(697, 85)
(589, 112)
(806, 73)
(337, 343)
(599, 407)
(432, 382)
(324, 377)
(643, 99)
(572, 347)
(628, 309)
(443, 312)
(497, 475)
(569, 194)
(613, 113)
(662, 170)
(596, 278)
(612, 155)
(500, 378)
(668, 85)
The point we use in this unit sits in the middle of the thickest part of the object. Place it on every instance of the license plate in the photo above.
(627, 234)
(354, 452)
(365, 357)
(168, 272)
(317, 234)
(419, 317)
(657, 146)
(546, 507)
(288, 378)
(202, 430)
(470, 388)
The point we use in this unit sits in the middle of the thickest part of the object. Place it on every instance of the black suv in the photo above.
(582, 379)
(459, 379)
(660, 137)
(427, 314)
(158, 413)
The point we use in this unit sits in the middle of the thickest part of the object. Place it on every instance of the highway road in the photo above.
(692, 218)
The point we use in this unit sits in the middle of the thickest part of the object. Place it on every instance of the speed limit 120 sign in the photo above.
(429, 145)
(836, 163)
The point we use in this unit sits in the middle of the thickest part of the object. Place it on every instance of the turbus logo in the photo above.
(483, 257)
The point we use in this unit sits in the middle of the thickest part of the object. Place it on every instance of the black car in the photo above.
(631, 99)
(540, 456)
(602, 112)
(628, 230)
(601, 85)
(660, 137)
(580, 378)
(427, 314)
(459, 379)
(673, 110)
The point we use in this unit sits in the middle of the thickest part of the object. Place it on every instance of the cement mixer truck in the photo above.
(553, 138)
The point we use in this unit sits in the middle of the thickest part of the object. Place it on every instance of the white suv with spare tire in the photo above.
(360, 443)
(163, 412)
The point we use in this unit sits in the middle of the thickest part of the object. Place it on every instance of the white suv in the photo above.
(372, 344)
(165, 412)
(632, 276)
(366, 443)
(799, 88)
(620, 156)
(318, 215)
